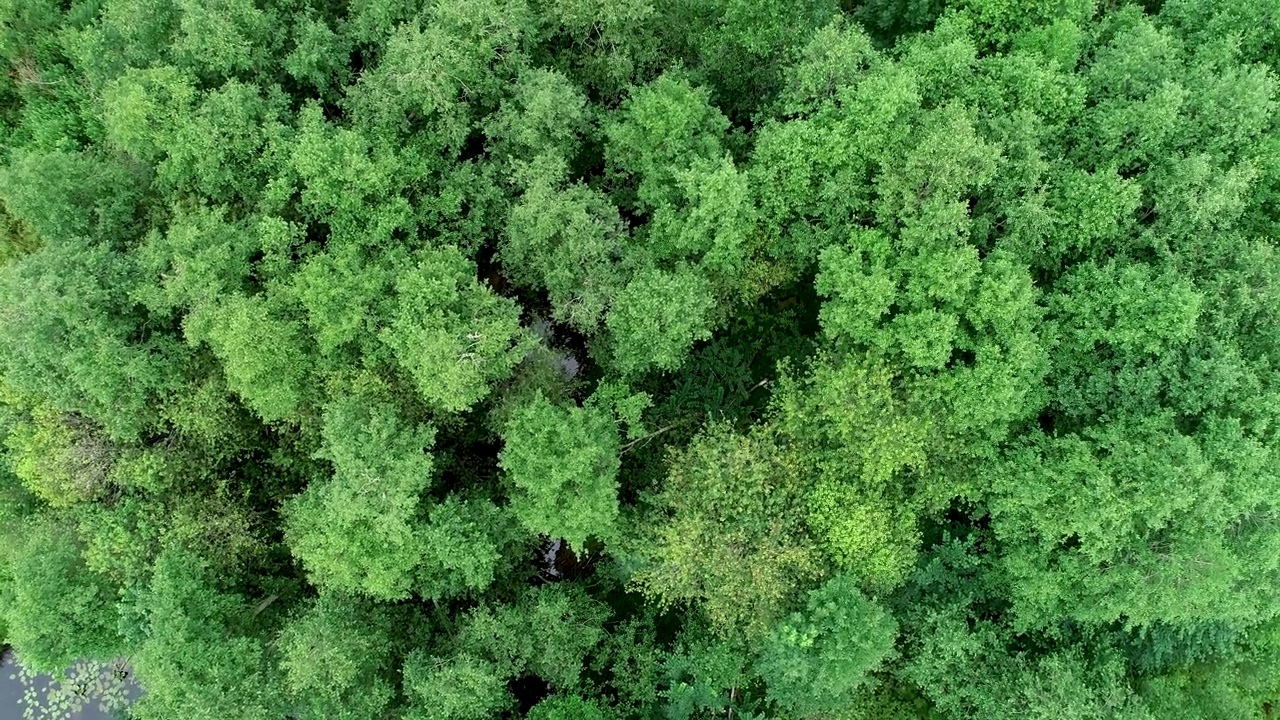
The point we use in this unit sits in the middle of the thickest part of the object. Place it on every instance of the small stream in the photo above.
(90, 691)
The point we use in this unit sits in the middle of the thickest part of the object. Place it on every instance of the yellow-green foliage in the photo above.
(735, 540)
(59, 458)
(864, 536)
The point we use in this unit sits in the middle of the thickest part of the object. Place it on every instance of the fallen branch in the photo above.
(650, 436)
(265, 604)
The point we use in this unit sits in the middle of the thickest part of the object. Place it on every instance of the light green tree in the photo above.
(562, 464)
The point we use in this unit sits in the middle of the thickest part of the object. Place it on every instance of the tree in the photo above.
(451, 335)
(815, 660)
(336, 657)
(227, 147)
(702, 674)
(224, 39)
(125, 34)
(466, 545)
(605, 46)
(348, 180)
(547, 115)
(143, 109)
(1233, 682)
(76, 341)
(893, 359)
(657, 317)
(562, 463)
(436, 68)
(713, 221)
(1138, 529)
(460, 688)
(199, 259)
(739, 48)
(196, 652)
(662, 128)
(735, 538)
(967, 672)
(567, 707)
(62, 459)
(348, 295)
(547, 631)
(359, 530)
(263, 353)
(565, 240)
(59, 610)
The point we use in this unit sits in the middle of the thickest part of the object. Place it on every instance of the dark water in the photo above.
(91, 692)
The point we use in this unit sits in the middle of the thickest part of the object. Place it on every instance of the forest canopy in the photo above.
(631, 359)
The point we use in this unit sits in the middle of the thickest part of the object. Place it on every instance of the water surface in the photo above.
(90, 692)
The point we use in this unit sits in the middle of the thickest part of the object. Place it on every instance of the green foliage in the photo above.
(60, 459)
(999, 22)
(735, 538)
(317, 55)
(1169, 500)
(336, 656)
(815, 660)
(563, 464)
(547, 632)
(451, 335)
(958, 668)
(663, 128)
(16, 238)
(224, 148)
(565, 240)
(463, 544)
(121, 541)
(461, 688)
(199, 259)
(358, 531)
(142, 110)
(1232, 683)
(740, 48)
(261, 353)
(547, 115)
(223, 38)
(606, 46)
(57, 609)
(73, 338)
(592, 359)
(702, 675)
(714, 219)
(197, 659)
(567, 707)
(657, 317)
